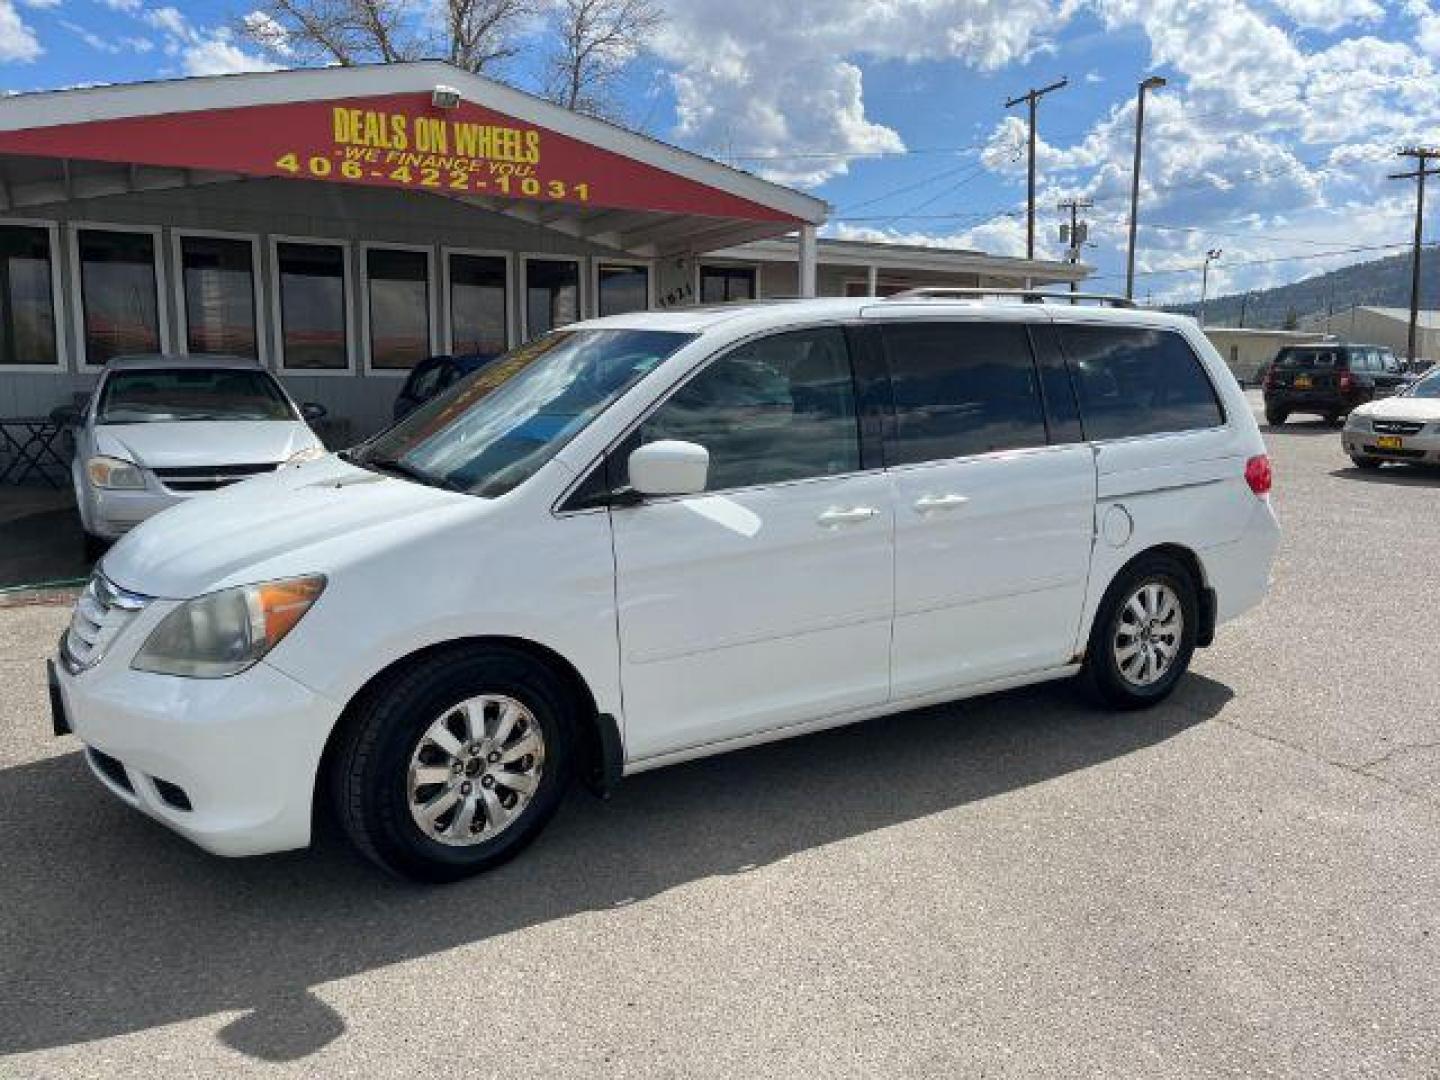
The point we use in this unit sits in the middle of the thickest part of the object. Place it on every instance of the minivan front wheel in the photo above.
(455, 765)
(1144, 634)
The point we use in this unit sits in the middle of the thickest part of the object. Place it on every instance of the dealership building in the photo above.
(341, 224)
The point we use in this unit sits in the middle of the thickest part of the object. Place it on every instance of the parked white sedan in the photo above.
(161, 429)
(1404, 428)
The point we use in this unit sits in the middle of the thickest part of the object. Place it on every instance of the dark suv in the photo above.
(1329, 380)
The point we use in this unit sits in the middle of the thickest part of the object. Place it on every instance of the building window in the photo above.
(27, 297)
(719, 284)
(118, 294)
(397, 286)
(552, 294)
(479, 301)
(219, 281)
(622, 288)
(314, 316)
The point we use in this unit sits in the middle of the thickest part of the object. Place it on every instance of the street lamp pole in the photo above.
(1210, 256)
(1154, 82)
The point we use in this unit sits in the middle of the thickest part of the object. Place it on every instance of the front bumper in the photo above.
(116, 512)
(1420, 449)
(242, 752)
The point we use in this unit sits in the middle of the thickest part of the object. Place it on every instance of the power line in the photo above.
(1190, 269)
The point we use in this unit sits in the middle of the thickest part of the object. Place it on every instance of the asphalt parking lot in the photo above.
(1243, 882)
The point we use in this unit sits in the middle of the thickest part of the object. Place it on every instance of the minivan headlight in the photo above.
(114, 473)
(225, 632)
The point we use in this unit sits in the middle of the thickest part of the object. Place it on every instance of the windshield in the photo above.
(492, 430)
(1427, 387)
(158, 395)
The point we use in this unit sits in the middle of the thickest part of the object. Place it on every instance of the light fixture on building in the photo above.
(445, 97)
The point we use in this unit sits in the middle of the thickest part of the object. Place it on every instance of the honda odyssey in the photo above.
(653, 537)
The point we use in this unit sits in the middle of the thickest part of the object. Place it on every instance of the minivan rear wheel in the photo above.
(1275, 416)
(456, 764)
(1144, 634)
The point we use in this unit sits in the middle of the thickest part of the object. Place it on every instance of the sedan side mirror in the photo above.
(669, 467)
(312, 411)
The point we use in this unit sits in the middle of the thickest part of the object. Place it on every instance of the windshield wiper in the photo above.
(398, 468)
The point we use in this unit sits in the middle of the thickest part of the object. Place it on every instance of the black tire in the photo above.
(1334, 418)
(1276, 416)
(94, 547)
(1101, 675)
(1368, 463)
(370, 767)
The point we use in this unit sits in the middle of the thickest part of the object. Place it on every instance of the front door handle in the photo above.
(853, 515)
(929, 504)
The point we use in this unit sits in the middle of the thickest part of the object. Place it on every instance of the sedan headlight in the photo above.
(225, 632)
(310, 453)
(115, 473)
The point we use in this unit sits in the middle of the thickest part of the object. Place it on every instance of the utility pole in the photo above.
(1154, 82)
(1210, 256)
(1423, 155)
(1074, 235)
(1032, 98)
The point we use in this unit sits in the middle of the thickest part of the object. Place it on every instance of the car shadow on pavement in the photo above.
(115, 925)
(40, 537)
(1307, 428)
(1401, 475)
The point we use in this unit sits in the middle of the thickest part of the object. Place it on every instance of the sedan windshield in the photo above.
(492, 430)
(149, 396)
(1427, 387)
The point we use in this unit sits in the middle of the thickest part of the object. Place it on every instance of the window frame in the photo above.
(855, 345)
(522, 299)
(182, 315)
(277, 324)
(597, 262)
(57, 293)
(1070, 365)
(162, 307)
(511, 294)
(890, 440)
(431, 323)
(756, 270)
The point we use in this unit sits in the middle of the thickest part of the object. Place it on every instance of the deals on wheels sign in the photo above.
(398, 140)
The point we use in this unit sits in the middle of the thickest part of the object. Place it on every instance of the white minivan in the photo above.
(653, 537)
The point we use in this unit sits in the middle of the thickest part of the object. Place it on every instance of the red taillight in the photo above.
(1347, 382)
(1259, 475)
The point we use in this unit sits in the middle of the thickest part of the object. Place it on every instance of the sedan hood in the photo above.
(164, 445)
(273, 526)
(1402, 408)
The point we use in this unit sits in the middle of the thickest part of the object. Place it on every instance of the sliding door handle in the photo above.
(929, 504)
(854, 515)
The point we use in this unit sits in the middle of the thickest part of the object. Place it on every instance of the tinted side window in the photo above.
(1133, 381)
(962, 388)
(781, 408)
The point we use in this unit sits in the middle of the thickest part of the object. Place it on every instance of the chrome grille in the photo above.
(1397, 427)
(103, 610)
(191, 478)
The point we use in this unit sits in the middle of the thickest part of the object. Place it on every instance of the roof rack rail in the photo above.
(1029, 296)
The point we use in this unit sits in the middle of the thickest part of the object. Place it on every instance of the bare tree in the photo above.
(595, 39)
(473, 34)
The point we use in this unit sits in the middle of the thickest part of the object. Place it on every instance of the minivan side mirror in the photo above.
(669, 467)
(313, 411)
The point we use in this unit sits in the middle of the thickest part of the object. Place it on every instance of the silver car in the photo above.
(1404, 428)
(161, 429)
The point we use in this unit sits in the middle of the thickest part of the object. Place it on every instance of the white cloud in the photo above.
(268, 32)
(202, 51)
(766, 78)
(18, 44)
(1329, 15)
(128, 6)
(40, 3)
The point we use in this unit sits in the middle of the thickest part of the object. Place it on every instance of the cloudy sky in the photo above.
(1271, 141)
